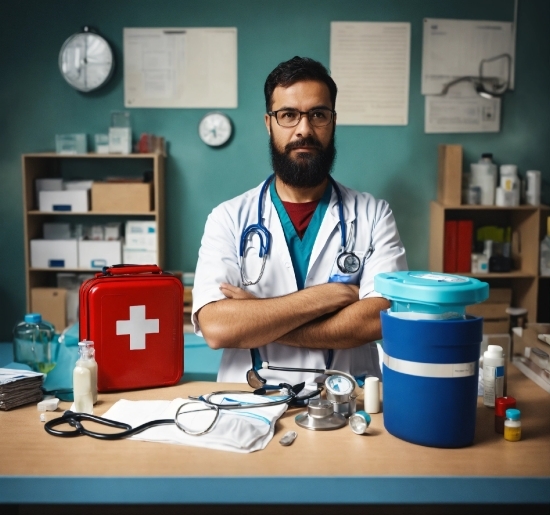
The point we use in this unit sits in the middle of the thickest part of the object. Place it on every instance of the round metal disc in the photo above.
(334, 421)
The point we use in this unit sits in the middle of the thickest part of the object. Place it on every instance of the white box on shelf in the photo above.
(120, 140)
(113, 231)
(54, 254)
(139, 256)
(57, 231)
(49, 184)
(141, 235)
(78, 185)
(77, 201)
(97, 254)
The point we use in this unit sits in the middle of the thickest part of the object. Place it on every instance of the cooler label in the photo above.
(436, 370)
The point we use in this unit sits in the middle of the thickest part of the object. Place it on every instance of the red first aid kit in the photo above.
(134, 316)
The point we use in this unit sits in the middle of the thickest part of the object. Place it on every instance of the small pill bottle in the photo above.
(512, 425)
(501, 405)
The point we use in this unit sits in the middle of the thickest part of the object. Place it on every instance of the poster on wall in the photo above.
(370, 63)
(180, 67)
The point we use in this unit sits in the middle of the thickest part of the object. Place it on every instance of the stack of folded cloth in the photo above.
(18, 387)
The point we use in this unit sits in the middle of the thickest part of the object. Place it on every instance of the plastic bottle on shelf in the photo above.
(512, 425)
(35, 344)
(85, 378)
(493, 374)
(545, 251)
(508, 194)
(484, 175)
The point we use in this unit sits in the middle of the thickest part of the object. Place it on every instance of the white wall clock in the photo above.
(86, 60)
(215, 129)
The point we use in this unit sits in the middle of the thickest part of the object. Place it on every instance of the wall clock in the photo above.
(86, 60)
(215, 129)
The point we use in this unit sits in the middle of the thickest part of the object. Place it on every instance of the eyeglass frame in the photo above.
(302, 113)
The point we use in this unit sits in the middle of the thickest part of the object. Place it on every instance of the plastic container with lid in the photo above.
(501, 405)
(512, 425)
(35, 343)
(431, 356)
(484, 175)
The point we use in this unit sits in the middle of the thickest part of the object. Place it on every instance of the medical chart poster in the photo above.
(455, 48)
(370, 63)
(180, 67)
(461, 110)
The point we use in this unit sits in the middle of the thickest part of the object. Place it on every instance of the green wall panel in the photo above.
(395, 163)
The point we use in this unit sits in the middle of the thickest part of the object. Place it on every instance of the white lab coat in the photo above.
(369, 222)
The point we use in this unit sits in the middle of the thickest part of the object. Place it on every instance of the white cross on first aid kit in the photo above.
(137, 327)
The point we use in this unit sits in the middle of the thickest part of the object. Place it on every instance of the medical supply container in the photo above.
(501, 405)
(431, 355)
(512, 425)
(493, 374)
(35, 344)
(85, 379)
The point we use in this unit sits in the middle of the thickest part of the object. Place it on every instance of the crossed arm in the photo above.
(327, 316)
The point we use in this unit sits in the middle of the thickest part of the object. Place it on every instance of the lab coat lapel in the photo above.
(329, 232)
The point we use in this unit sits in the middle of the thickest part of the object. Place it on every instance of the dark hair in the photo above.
(295, 70)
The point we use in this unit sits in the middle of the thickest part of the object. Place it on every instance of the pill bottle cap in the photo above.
(513, 414)
(502, 404)
(494, 351)
(33, 318)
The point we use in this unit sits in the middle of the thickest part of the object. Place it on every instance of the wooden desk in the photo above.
(320, 467)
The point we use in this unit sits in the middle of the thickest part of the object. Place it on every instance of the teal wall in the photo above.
(395, 163)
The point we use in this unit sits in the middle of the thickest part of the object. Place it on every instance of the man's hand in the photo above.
(234, 292)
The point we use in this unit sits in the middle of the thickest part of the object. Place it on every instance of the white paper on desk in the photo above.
(235, 430)
(370, 63)
(461, 110)
(455, 48)
(180, 67)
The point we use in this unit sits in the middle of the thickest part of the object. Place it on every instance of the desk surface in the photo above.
(329, 466)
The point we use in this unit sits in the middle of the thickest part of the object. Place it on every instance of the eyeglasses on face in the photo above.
(318, 117)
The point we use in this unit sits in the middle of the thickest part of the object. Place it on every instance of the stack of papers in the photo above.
(18, 387)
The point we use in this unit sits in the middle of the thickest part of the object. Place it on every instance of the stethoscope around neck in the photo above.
(347, 262)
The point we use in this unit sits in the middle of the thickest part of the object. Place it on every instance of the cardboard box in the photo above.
(500, 295)
(97, 254)
(139, 256)
(60, 201)
(449, 175)
(54, 254)
(489, 310)
(122, 197)
(51, 303)
(495, 326)
(141, 235)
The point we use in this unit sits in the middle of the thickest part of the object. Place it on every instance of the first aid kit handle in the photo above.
(131, 269)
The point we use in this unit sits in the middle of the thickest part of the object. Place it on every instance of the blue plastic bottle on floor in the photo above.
(431, 356)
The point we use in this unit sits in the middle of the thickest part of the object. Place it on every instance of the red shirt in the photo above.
(300, 214)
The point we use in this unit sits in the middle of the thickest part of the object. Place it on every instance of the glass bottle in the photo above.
(512, 425)
(85, 378)
(34, 343)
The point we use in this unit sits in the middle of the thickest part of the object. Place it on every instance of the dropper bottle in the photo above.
(85, 378)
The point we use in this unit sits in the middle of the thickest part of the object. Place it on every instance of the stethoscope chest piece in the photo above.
(341, 393)
(320, 416)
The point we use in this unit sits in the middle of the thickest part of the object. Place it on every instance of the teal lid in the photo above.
(513, 414)
(33, 318)
(431, 288)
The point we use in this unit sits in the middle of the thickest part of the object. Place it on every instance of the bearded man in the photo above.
(285, 274)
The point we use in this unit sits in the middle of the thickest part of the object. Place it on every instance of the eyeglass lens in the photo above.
(291, 117)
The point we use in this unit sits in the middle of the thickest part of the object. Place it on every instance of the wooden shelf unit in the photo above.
(529, 289)
(91, 167)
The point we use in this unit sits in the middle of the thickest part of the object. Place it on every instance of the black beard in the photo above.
(309, 169)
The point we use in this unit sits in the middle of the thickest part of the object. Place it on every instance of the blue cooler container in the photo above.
(431, 356)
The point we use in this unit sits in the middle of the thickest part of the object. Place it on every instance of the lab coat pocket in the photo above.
(339, 276)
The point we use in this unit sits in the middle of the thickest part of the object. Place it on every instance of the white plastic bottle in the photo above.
(493, 374)
(85, 378)
(484, 175)
(545, 251)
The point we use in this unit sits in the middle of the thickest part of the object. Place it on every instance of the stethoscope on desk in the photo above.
(191, 407)
(348, 262)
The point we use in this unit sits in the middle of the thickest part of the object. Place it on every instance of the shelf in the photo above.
(471, 207)
(72, 270)
(501, 275)
(90, 213)
(93, 155)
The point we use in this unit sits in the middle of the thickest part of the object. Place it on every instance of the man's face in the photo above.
(302, 156)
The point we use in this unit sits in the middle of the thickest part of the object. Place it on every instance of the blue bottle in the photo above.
(35, 343)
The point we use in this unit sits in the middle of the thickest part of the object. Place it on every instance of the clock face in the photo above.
(86, 61)
(215, 129)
